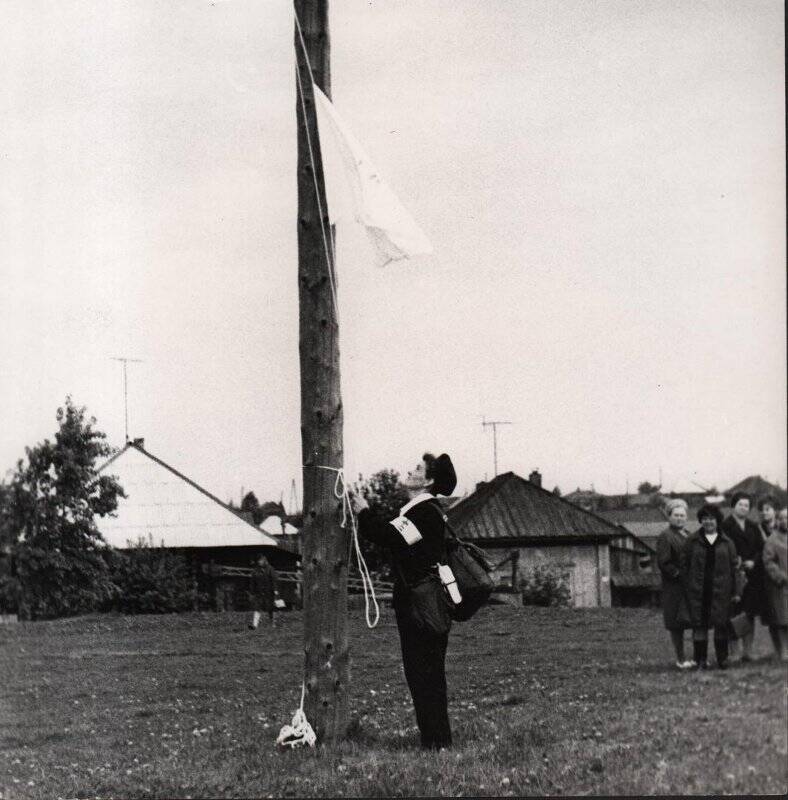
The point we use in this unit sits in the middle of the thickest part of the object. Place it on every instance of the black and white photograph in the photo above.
(394, 398)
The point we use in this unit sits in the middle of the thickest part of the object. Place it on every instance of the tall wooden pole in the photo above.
(325, 544)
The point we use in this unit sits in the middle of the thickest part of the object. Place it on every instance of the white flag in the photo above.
(393, 232)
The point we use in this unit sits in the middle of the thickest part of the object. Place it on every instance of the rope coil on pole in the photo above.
(341, 493)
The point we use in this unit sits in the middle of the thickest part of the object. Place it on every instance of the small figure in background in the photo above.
(670, 545)
(775, 563)
(709, 574)
(263, 592)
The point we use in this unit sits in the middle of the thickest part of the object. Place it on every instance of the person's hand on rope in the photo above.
(357, 501)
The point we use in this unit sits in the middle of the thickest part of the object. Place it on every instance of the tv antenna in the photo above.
(126, 387)
(494, 425)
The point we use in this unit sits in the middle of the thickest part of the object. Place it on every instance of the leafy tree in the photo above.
(251, 505)
(272, 508)
(250, 502)
(51, 503)
(386, 495)
(648, 488)
(556, 491)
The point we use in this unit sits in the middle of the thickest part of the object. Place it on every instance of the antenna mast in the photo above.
(494, 425)
(126, 387)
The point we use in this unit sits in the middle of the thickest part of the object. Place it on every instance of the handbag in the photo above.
(740, 625)
(472, 572)
(430, 605)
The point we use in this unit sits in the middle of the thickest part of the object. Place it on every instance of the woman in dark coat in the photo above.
(748, 539)
(708, 567)
(416, 543)
(670, 544)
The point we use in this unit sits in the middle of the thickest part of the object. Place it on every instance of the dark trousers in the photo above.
(424, 660)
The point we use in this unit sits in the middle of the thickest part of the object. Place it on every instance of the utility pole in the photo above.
(126, 387)
(325, 542)
(494, 424)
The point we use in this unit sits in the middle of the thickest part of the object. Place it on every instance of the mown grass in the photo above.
(543, 701)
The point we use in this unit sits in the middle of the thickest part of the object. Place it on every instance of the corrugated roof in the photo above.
(166, 508)
(511, 507)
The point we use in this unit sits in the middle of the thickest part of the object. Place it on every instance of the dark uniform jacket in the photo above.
(709, 576)
(749, 547)
(412, 558)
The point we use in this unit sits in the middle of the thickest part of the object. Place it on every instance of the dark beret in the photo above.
(441, 472)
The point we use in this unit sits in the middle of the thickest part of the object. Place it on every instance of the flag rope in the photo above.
(341, 493)
(328, 242)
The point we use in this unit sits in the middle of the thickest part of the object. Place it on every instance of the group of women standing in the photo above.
(728, 569)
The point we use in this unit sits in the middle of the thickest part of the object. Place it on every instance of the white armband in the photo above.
(406, 529)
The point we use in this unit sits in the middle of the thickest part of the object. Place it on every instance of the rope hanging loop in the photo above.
(342, 493)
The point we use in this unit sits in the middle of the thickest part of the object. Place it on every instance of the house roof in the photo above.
(636, 580)
(758, 487)
(510, 507)
(625, 516)
(168, 509)
(276, 526)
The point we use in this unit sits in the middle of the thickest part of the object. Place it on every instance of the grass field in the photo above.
(542, 701)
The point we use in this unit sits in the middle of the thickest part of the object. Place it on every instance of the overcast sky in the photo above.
(603, 185)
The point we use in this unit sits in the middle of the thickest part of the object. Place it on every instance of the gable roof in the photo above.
(510, 507)
(758, 487)
(165, 507)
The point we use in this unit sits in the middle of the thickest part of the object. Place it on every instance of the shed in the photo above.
(511, 516)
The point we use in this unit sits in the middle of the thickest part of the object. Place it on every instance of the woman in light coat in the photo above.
(775, 564)
(670, 545)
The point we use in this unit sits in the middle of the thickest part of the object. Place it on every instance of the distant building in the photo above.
(758, 487)
(164, 508)
(521, 525)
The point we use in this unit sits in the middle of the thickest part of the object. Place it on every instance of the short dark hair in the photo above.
(710, 510)
(740, 496)
(767, 500)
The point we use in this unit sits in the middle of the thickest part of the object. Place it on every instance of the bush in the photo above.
(545, 586)
(150, 580)
(10, 594)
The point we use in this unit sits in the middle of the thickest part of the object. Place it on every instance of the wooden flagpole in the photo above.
(325, 546)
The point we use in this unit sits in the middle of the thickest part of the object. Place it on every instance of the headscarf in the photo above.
(676, 502)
